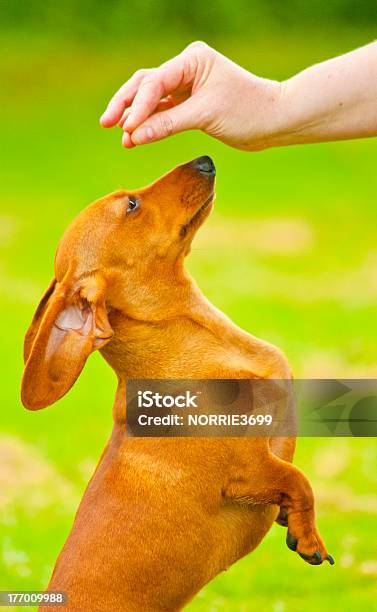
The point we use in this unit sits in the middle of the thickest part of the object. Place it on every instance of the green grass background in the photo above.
(313, 293)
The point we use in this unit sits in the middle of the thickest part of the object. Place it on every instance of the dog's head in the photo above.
(126, 238)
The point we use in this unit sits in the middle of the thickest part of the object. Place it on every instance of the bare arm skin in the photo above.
(334, 100)
(202, 89)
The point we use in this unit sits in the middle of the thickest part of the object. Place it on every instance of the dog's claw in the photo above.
(291, 541)
(315, 559)
(317, 556)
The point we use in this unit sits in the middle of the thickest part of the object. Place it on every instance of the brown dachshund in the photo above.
(160, 517)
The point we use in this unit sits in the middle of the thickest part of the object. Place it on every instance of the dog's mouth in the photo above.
(196, 218)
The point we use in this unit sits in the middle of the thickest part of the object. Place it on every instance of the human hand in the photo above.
(197, 89)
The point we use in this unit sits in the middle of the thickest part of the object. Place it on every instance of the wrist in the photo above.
(280, 127)
(271, 126)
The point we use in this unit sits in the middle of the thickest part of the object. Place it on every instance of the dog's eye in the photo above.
(133, 204)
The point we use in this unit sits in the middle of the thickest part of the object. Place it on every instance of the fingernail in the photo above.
(103, 116)
(144, 134)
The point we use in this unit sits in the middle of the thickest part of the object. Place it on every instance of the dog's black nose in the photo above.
(205, 165)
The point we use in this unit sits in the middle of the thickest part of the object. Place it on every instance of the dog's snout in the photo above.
(205, 165)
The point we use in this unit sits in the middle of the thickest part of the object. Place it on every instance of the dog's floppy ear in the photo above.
(68, 325)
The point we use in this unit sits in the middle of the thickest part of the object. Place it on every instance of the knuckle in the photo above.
(166, 124)
(147, 80)
(198, 45)
(151, 81)
(141, 73)
(195, 54)
(204, 116)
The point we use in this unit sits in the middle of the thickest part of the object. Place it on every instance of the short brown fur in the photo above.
(160, 517)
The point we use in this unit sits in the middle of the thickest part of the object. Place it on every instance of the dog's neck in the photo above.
(169, 329)
(154, 307)
(169, 293)
(160, 330)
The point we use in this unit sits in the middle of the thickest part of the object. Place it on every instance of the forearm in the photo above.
(334, 100)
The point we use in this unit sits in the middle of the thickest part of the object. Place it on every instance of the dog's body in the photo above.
(160, 517)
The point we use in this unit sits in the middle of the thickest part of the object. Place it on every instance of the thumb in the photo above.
(166, 123)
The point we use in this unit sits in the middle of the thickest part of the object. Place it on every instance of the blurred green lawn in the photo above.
(289, 253)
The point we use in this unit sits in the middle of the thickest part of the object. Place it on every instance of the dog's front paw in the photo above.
(310, 548)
